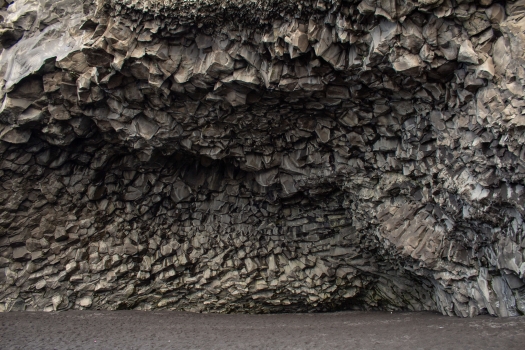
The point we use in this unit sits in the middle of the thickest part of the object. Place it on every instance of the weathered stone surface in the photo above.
(262, 156)
(466, 53)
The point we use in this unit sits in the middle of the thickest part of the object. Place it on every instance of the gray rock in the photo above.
(247, 157)
(61, 234)
(15, 135)
(407, 63)
(21, 253)
(466, 53)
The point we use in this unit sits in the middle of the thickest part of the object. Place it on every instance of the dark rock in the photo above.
(244, 156)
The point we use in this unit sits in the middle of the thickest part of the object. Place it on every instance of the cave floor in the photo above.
(180, 330)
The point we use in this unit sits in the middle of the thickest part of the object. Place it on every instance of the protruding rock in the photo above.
(407, 63)
(15, 135)
(467, 54)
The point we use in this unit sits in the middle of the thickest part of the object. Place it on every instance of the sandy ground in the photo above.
(179, 330)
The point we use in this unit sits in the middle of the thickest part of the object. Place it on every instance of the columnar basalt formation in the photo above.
(263, 156)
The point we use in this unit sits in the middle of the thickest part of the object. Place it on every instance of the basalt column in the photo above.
(263, 156)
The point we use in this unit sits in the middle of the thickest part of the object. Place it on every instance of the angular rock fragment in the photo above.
(15, 135)
(467, 54)
(408, 64)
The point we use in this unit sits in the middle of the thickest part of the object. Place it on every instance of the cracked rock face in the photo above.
(266, 156)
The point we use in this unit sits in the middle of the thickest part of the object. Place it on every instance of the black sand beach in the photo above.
(179, 330)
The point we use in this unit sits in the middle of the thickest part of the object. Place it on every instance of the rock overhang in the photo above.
(337, 155)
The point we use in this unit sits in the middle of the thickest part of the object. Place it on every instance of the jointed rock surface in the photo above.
(263, 156)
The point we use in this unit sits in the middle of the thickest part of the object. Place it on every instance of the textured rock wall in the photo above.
(263, 156)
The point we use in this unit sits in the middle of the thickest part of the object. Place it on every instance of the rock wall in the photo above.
(268, 156)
